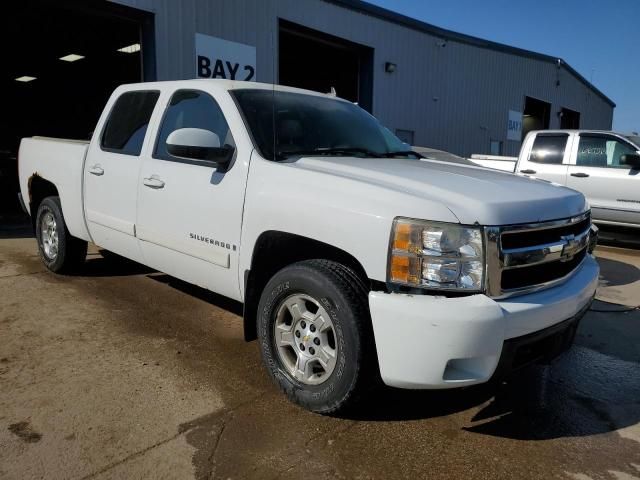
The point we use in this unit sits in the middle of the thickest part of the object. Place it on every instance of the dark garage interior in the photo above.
(536, 115)
(569, 119)
(61, 63)
(317, 61)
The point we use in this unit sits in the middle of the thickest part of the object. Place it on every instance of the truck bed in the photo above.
(60, 162)
(505, 164)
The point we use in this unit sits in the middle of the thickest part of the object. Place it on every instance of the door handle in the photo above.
(580, 175)
(96, 170)
(153, 182)
(528, 171)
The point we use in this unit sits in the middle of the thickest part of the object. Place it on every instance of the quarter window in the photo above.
(128, 121)
(191, 109)
(548, 149)
(602, 151)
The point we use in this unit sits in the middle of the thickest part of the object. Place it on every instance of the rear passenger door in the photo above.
(111, 172)
(190, 211)
(612, 188)
(548, 157)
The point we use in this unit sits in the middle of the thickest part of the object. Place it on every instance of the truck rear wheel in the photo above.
(60, 252)
(315, 335)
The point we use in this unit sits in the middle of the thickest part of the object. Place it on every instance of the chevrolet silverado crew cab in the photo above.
(356, 260)
(604, 166)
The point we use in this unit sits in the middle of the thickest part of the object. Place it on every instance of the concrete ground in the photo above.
(127, 373)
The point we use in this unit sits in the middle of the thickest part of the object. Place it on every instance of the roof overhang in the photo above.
(412, 23)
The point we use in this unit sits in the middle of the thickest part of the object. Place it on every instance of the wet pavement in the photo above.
(128, 373)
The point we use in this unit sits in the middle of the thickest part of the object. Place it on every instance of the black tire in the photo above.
(71, 251)
(343, 295)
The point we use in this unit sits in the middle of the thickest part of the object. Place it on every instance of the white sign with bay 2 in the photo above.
(218, 58)
(514, 126)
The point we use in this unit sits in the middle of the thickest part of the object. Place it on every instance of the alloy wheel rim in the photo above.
(49, 235)
(305, 339)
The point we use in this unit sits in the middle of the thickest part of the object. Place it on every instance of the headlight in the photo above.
(436, 255)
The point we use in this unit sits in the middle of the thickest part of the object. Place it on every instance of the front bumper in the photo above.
(428, 342)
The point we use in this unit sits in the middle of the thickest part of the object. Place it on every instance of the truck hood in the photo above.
(475, 195)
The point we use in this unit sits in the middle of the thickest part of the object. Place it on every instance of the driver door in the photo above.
(190, 211)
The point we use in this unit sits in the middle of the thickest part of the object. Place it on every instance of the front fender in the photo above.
(350, 214)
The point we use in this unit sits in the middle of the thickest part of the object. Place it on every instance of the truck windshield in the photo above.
(287, 124)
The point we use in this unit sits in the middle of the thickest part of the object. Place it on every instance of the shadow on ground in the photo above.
(614, 273)
(107, 264)
(208, 296)
(582, 393)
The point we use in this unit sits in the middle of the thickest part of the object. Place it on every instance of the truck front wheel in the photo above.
(315, 335)
(60, 252)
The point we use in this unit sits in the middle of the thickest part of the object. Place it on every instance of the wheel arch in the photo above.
(39, 189)
(275, 250)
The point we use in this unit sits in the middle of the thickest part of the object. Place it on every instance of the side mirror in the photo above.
(198, 144)
(631, 159)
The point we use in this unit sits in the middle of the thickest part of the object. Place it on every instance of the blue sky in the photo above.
(600, 39)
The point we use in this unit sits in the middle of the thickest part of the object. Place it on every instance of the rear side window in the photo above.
(548, 149)
(191, 109)
(128, 121)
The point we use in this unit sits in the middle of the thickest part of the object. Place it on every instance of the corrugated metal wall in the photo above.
(455, 98)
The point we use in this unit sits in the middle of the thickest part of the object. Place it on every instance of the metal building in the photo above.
(432, 87)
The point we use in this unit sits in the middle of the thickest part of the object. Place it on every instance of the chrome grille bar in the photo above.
(563, 249)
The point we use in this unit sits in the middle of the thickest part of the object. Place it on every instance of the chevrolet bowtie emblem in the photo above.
(570, 247)
(306, 338)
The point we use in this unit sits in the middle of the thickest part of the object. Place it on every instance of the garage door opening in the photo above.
(317, 61)
(61, 61)
(569, 119)
(536, 115)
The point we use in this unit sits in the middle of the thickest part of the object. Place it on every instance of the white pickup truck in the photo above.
(604, 166)
(355, 259)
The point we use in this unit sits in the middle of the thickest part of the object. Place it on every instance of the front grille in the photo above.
(525, 258)
(528, 238)
(539, 274)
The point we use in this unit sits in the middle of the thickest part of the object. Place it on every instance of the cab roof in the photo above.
(222, 84)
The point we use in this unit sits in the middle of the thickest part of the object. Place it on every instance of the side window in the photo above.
(548, 149)
(602, 151)
(128, 121)
(191, 109)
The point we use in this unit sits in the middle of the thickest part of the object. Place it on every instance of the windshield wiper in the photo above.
(331, 151)
(403, 153)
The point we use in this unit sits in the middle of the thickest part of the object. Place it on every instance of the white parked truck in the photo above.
(603, 165)
(356, 260)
